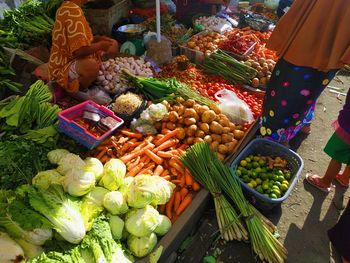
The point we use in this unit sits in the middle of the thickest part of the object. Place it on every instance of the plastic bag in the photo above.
(233, 107)
(95, 94)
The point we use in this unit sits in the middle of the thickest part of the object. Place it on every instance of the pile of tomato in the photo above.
(209, 89)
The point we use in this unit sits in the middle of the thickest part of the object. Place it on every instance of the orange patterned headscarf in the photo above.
(71, 32)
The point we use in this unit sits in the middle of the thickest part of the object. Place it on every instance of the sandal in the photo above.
(338, 179)
(314, 180)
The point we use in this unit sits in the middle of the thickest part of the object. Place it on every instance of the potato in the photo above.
(197, 107)
(189, 121)
(166, 117)
(225, 122)
(166, 104)
(180, 120)
(208, 139)
(202, 109)
(232, 126)
(238, 134)
(215, 127)
(197, 140)
(222, 149)
(189, 140)
(189, 103)
(225, 138)
(221, 157)
(255, 82)
(181, 110)
(180, 99)
(208, 116)
(204, 127)
(189, 113)
(215, 108)
(158, 125)
(216, 137)
(173, 116)
(214, 145)
(199, 134)
(171, 126)
(226, 130)
(191, 130)
(181, 134)
(231, 145)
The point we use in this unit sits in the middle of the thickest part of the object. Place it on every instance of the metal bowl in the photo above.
(131, 31)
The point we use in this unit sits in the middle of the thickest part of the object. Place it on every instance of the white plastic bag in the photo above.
(233, 107)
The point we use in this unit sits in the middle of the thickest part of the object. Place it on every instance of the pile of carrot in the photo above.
(154, 155)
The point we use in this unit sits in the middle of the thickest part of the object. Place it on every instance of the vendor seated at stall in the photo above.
(75, 53)
(187, 9)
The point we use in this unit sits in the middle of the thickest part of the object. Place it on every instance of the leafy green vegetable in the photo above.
(142, 246)
(142, 222)
(68, 162)
(95, 166)
(117, 226)
(164, 226)
(113, 173)
(115, 203)
(44, 179)
(62, 210)
(78, 182)
(56, 155)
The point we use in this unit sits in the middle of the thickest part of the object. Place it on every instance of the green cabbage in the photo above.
(164, 226)
(115, 204)
(95, 166)
(21, 222)
(44, 179)
(113, 173)
(56, 155)
(78, 182)
(124, 188)
(142, 246)
(155, 255)
(68, 162)
(142, 222)
(92, 205)
(62, 210)
(147, 189)
(117, 226)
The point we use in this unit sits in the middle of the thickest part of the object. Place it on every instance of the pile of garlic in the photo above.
(213, 23)
(110, 70)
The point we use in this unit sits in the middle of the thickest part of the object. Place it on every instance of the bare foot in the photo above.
(306, 129)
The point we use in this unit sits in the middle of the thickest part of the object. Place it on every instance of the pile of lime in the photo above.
(264, 175)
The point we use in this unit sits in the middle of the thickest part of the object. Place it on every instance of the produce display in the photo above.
(266, 175)
(109, 75)
(264, 67)
(206, 42)
(213, 23)
(127, 103)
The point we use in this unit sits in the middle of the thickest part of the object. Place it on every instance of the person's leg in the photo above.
(344, 178)
(87, 69)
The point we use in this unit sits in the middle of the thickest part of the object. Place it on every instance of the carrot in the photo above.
(169, 206)
(102, 153)
(134, 171)
(125, 147)
(183, 192)
(110, 152)
(185, 203)
(173, 171)
(153, 156)
(177, 200)
(159, 136)
(167, 177)
(176, 181)
(173, 163)
(132, 134)
(183, 147)
(147, 170)
(130, 156)
(163, 125)
(182, 180)
(165, 154)
(161, 209)
(104, 159)
(166, 137)
(133, 164)
(196, 186)
(165, 145)
(164, 173)
(175, 217)
(188, 178)
(145, 159)
(149, 138)
(159, 169)
(141, 145)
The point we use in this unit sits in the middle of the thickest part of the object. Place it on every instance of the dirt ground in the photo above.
(304, 218)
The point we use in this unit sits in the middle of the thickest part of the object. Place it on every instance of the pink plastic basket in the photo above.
(68, 126)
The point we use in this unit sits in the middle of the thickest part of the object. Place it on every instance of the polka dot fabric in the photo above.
(290, 99)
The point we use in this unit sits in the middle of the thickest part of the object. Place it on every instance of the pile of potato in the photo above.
(197, 123)
(206, 42)
(264, 68)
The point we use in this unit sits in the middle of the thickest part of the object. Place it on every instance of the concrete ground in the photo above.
(304, 218)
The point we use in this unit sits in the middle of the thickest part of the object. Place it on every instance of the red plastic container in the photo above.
(68, 126)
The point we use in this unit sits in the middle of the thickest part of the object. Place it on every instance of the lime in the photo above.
(277, 192)
(246, 179)
(248, 160)
(254, 184)
(265, 186)
(254, 175)
(277, 184)
(255, 164)
(243, 163)
(284, 187)
(256, 158)
(258, 170)
(270, 176)
(273, 196)
(258, 181)
(266, 195)
(259, 189)
(249, 166)
(264, 176)
(268, 191)
(238, 173)
(270, 184)
(275, 187)
(287, 175)
(279, 172)
(250, 185)
(264, 170)
(240, 168)
(285, 182)
(262, 162)
(249, 173)
(244, 171)
(281, 178)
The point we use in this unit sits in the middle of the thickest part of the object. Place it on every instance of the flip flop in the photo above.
(338, 179)
(314, 180)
